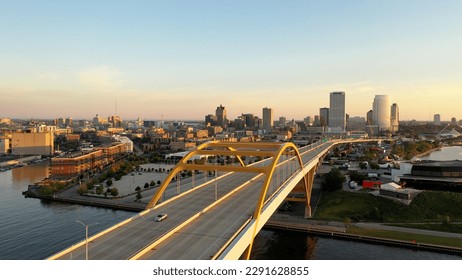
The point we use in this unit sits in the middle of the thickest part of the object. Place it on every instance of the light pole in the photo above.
(216, 191)
(86, 238)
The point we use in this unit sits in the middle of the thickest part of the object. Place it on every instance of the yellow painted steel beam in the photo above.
(252, 145)
(183, 164)
(265, 186)
(224, 168)
(238, 157)
(236, 153)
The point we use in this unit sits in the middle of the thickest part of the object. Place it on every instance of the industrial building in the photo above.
(33, 143)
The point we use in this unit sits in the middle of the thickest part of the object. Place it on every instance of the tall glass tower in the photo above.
(382, 112)
(337, 111)
(267, 119)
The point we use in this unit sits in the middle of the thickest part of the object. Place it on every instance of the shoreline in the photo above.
(314, 227)
(329, 232)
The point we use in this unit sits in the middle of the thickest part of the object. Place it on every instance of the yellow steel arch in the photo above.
(263, 149)
(265, 186)
(232, 149)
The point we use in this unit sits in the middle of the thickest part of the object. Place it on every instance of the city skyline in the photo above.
(180, 59)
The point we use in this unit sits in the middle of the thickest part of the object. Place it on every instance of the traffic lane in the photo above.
(202, 238)
(132, 237)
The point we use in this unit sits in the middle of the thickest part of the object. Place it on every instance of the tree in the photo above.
(138, 188)
(146, 185)
(159, 182)
(333, 180)
(138, 195)
(374, 165)
(99, 190)
(152, 184)
(114, 192)
(109, 183)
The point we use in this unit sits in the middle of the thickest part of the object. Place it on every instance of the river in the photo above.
(445, 153)
(32, 229)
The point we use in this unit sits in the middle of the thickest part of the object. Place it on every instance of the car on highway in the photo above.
(160, 217)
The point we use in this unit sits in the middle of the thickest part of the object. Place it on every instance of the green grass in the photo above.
(454, 228)
(428, 206)
(419, 238)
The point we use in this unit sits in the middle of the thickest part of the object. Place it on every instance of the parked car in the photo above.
(160, 217)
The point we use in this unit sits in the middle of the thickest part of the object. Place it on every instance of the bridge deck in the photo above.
(196, 229)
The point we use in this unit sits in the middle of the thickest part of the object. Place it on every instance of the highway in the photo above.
(194, 229)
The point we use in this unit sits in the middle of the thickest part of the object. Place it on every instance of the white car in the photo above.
(160, 217)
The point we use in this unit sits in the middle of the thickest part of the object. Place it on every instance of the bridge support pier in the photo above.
(307, 212)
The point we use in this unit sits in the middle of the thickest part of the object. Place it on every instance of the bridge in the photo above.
(219, 217)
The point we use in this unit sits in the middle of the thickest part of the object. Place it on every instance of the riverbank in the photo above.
(91, 201)
(367, 239)
(371, 233)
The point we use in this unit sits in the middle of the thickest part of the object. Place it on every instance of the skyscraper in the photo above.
(267, 119)
(370, 117)
(337, 111)
(437, 119)
(324, 116)
(394, 118)
(222, 120)
(381, 112)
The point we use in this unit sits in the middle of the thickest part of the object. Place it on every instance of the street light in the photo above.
(216, 191)
(86, 238)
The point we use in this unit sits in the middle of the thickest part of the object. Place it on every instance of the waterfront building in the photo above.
(77, 163)
(4, 145)
(381, 112)
(268, 119)
(337, 120)
(435, 175)
(33, 143)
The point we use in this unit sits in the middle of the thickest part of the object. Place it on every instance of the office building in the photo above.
(211, 120)
(282, 121)
(356, 123)
(268, 119)
(116, 121)
(221, 115)
(437, 119)
(324, 116)
(370, 117)
(381, 112)
(394, 120)
(249, 120)
(336, 120)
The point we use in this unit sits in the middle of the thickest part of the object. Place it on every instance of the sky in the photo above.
(179, 60)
